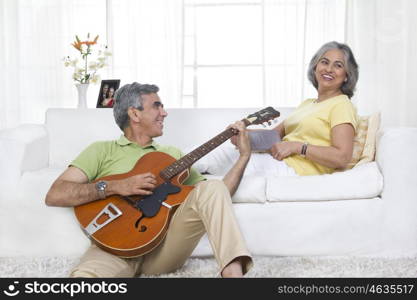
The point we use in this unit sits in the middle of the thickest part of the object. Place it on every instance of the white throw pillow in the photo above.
(221, 160)
(218, 161)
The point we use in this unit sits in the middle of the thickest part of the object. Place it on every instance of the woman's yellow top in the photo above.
(312, 122)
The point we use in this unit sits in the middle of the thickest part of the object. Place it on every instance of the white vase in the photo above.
(82, 94)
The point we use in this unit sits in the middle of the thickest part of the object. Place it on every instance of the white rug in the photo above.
(263, 267)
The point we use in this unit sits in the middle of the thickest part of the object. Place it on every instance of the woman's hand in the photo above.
(282, 150)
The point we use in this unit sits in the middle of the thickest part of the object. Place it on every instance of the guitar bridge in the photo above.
(110, 211)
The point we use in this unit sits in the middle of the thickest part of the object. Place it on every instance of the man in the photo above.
(139, 112)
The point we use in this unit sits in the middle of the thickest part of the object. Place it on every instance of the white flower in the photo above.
(93, 66)
(85, 69)
(73, 63)
(96, 78)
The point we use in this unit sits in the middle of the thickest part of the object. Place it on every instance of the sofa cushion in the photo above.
(251, 189)
(35, 185)
(359, 141)
(365, 140)
(53, 228)
(72, 130)
(218, 161)
(222, 159)
(368, 153)
(361, 182)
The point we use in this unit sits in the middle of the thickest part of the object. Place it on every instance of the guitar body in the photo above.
(131, 233)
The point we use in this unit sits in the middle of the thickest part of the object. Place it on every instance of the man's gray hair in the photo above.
(349, 86)
(130, 95)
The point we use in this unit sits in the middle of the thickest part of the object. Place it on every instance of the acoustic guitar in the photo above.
(134, 225)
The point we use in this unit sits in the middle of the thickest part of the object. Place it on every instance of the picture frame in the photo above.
(106, 93)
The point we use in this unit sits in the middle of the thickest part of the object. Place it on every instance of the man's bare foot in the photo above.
(233, 270)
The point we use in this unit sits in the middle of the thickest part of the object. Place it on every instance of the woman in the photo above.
(109, 101)
(317, 138)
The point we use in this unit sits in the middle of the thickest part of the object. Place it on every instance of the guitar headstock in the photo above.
(262, 116)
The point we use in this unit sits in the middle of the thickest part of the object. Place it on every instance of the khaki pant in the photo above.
(208, 208)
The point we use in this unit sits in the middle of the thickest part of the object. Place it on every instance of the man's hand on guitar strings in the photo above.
(141, 184)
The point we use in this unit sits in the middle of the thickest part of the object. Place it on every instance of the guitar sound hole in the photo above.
(142, 228)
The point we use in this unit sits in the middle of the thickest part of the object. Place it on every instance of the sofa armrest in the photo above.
(396, 157)
(397, 160)
(24, 148)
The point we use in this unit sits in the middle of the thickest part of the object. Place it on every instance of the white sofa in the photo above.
(370, 210)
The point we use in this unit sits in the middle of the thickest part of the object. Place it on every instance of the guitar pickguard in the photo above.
(150, 205)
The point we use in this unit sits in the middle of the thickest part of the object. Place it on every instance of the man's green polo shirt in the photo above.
(120, 156)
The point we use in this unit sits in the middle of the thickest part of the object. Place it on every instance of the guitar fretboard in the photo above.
(188, 160)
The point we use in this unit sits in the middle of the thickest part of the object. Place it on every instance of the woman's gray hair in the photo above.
(349, 86)
(130, 95)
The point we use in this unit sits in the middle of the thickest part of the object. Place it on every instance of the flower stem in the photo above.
(85, 70)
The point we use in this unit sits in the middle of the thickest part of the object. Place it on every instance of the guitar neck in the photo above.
(188, 160)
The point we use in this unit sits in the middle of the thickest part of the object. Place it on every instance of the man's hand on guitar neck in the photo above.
(234, 176)
(242, 141)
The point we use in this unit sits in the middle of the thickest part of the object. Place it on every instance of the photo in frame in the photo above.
(106, 93)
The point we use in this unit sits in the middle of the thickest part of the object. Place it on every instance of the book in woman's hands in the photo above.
(262, 140)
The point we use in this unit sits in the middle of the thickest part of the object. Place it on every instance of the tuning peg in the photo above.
(269, 123)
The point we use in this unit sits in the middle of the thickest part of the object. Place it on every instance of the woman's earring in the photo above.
(345, 79)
